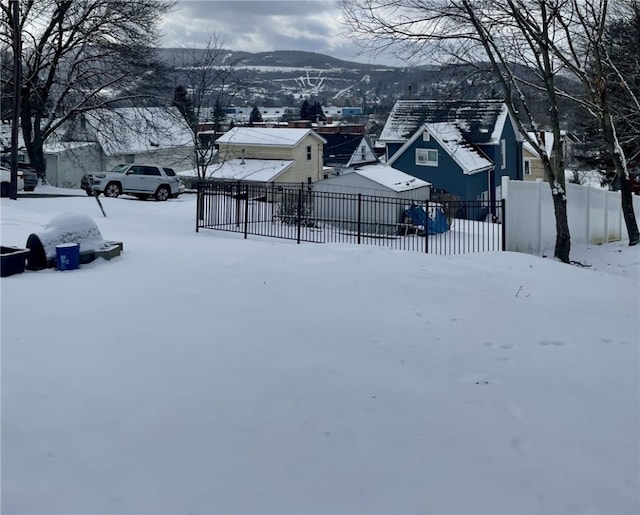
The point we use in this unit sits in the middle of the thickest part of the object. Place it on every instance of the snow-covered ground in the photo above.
(202, 373)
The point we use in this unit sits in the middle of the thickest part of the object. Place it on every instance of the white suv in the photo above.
(140, 180)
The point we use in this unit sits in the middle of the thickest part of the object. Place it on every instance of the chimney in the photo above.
(242, 162)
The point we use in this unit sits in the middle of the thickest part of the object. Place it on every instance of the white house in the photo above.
(101, 139)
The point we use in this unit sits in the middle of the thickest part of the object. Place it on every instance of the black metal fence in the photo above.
(300, 213)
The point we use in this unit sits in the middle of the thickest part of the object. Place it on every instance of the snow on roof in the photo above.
(480, 121)
(452, 140)
(281, 137)
(257, 170)
(390, 177)
(548, 143)
(130, 130)
(62, 146)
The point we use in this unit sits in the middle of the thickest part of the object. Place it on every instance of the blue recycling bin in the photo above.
(68, 256)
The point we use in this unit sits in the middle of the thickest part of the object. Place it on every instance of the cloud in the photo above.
(261, 26)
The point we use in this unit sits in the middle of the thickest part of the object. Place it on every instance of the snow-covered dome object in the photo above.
(64, 228)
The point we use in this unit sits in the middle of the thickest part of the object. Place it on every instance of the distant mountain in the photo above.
(285, 77)
(277, 58)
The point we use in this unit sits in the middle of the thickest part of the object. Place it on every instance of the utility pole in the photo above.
(17, 79)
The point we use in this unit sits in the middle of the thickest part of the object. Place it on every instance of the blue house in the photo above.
(460, 147)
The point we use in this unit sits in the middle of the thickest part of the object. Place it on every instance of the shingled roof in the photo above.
(479, 121)
(340, 147)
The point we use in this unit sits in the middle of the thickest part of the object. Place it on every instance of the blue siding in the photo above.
(351, 111)
(446, 176)
(392, 148)
(513, 168)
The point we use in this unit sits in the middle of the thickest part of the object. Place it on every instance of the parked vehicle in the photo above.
(140, 180)
(5, 175)
(29, 174)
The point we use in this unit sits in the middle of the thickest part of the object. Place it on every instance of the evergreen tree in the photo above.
(305, 110)
(317, 114)
(255, 116)
(218, 115)
(182, 100)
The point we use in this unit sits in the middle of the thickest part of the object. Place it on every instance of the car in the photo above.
(29, 174)
(139, 180)
(5, 187)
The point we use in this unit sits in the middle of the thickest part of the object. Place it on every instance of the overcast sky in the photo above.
(262, 26)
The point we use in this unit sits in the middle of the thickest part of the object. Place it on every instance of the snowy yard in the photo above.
(203, 373)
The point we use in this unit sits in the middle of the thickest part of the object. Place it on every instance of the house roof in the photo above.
(548, 143)
(452, 141)
(257, 170)
(390, 177)
(136, 130)
(268, 136)
(479, 121)
(339, 148)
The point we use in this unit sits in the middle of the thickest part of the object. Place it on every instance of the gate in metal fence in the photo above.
(297, 212)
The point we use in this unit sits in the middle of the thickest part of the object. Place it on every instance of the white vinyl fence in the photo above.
(595, 216)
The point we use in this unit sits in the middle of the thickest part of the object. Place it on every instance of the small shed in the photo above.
(378, 180)
(385, 192)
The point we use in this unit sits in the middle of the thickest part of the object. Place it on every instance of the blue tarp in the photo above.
(435, 222)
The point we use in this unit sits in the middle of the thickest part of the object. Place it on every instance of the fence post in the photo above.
(588, 214)
(504, 225)
(237, 191)
(606, 217)
(246, 210)
(426, 225)
(539, 206)
(359, 215)
(198, 200)
(299, 217)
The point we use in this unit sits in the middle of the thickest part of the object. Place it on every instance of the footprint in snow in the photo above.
(554, 343)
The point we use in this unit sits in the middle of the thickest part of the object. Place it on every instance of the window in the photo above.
(363, 152)
(169, 172)
(129, 158)
(308, 152)
(503, 154)
(527, 167)
(426, 136)
(150, 170)
(426, 157)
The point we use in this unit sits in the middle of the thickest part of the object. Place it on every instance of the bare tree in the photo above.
(582, 47)
(206, 85)
(513, 36)
(78, 56)
(622, 43)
